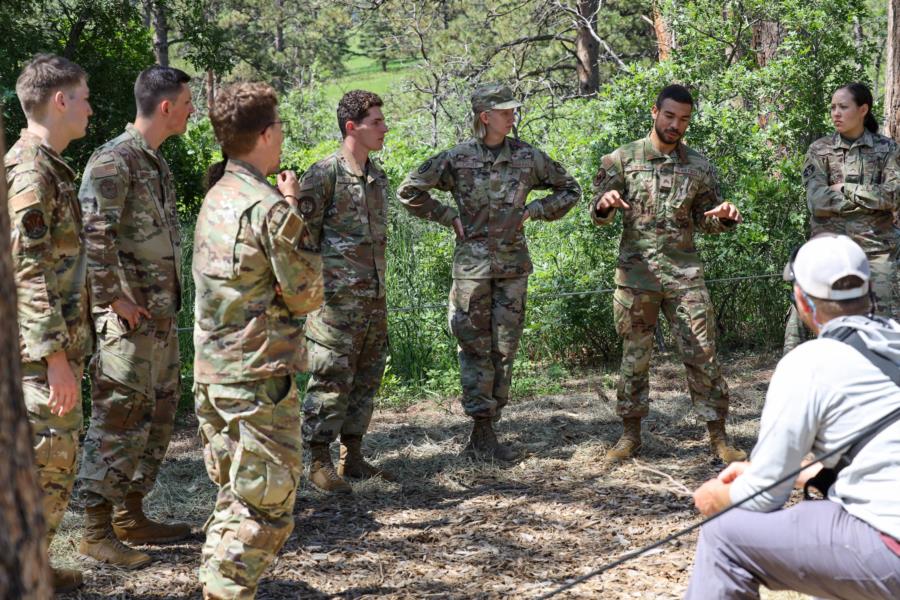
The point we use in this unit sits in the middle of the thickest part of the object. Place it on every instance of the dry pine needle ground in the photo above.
(458, 529)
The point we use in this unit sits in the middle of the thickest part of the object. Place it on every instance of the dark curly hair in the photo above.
(354, 106)
(241, 111)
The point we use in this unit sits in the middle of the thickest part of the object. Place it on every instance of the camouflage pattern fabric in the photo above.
(658, 267)
(347, 336)
(136, 386)
(248, 241)
(690, 315)
(47, 252)
(55, 441)
(490, 197)
(346, 209)
(49, 267)
(487, 316)
(347, 350)
(133, 246)
(864, 210)
(668, 194)
(883, 268)
(256, 273)
(251, 445)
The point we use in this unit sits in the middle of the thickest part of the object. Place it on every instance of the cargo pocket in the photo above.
(259, 480)
(327, 335)
(623, 301)
(458, 314)
(215, 454)
(57, 451)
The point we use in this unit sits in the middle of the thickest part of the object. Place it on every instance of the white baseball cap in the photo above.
(825, 259)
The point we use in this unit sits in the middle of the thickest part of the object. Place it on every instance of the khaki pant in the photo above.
(346, 354)
(486, 317)
(691, 317)
(251, 445)
(136, 386)
(55, 441)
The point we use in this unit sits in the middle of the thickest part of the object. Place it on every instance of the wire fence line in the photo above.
(554, 296)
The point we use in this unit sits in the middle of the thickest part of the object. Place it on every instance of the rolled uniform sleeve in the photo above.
(821, 200)
(610, 176)
(550, 174)
(41, 322)
(883, 196)
(435, 173)
(709, 197)
(102, 195)
(297, 268)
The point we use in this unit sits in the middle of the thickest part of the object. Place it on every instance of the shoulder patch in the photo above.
(104, 170)
(307, 207)
(425, 166)
(23, 201)
(600, 177)
(33, 223)
(808, 171)
(290, 228)
(109, 189)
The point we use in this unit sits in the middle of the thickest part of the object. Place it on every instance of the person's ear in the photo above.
(349, 127)
(483, 115)
(59, 100)
(165, 107)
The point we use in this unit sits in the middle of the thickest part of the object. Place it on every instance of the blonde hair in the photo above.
(479, 129)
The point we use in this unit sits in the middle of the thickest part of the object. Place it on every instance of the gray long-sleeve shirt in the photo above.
(822, 394)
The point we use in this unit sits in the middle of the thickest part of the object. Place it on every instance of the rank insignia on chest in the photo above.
(34, 224)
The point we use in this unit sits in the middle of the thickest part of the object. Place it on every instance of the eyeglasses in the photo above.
(284, 127)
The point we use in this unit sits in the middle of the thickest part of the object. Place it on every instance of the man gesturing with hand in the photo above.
(664, 191)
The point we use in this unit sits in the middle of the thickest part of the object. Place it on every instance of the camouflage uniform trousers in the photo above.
(883, 268)
(346, 352)
(55, 441)
(487, 317)
(691, 317)
(250, 433)
(135, 391)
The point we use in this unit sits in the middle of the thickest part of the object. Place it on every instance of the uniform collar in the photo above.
(35, 140)
(233, 165)
(136, 135)
(650, 151)
(488, 156)
(866, 139)
(370, 171)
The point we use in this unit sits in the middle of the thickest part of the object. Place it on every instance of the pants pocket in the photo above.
(260, 482)
(215, 454)
(623, 301)
(57, 451)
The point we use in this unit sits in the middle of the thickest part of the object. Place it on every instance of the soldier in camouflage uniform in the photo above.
(490, 178)
(256, 274)
(852, 180)
(665, 191)
(49, 263)
(134, 270)
(344, 197)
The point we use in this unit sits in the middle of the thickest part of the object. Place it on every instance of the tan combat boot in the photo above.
(630, 442)
(353, 465)
(483, 442)
(66, 580)
(131, 525)
(100, 542)
(322, 473)
(718, 442)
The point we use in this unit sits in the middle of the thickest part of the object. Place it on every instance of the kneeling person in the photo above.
(255, 275)
(823, 394)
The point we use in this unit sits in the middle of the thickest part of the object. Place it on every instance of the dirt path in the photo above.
(455, 529)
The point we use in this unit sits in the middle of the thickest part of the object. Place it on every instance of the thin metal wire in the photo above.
(553, 296)
(789, 477)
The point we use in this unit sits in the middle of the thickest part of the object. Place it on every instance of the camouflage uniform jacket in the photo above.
(47, 252)
(131, 226)
(490, 197)
(869, 171)
(347, 217)
(668, 194)
(247, 240)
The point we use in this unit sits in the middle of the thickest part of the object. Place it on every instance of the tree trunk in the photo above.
(279, 29)
(210, 89)
(161, 32)
(24, 568)
(665, 40)
(892, 78)
(767, 37)
(587, 49)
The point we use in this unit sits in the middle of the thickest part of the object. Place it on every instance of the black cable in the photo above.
(790, 476)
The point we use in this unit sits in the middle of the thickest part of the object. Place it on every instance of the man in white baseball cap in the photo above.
(822, 395)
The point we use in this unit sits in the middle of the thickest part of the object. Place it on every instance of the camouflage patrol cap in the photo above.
(493, 96)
